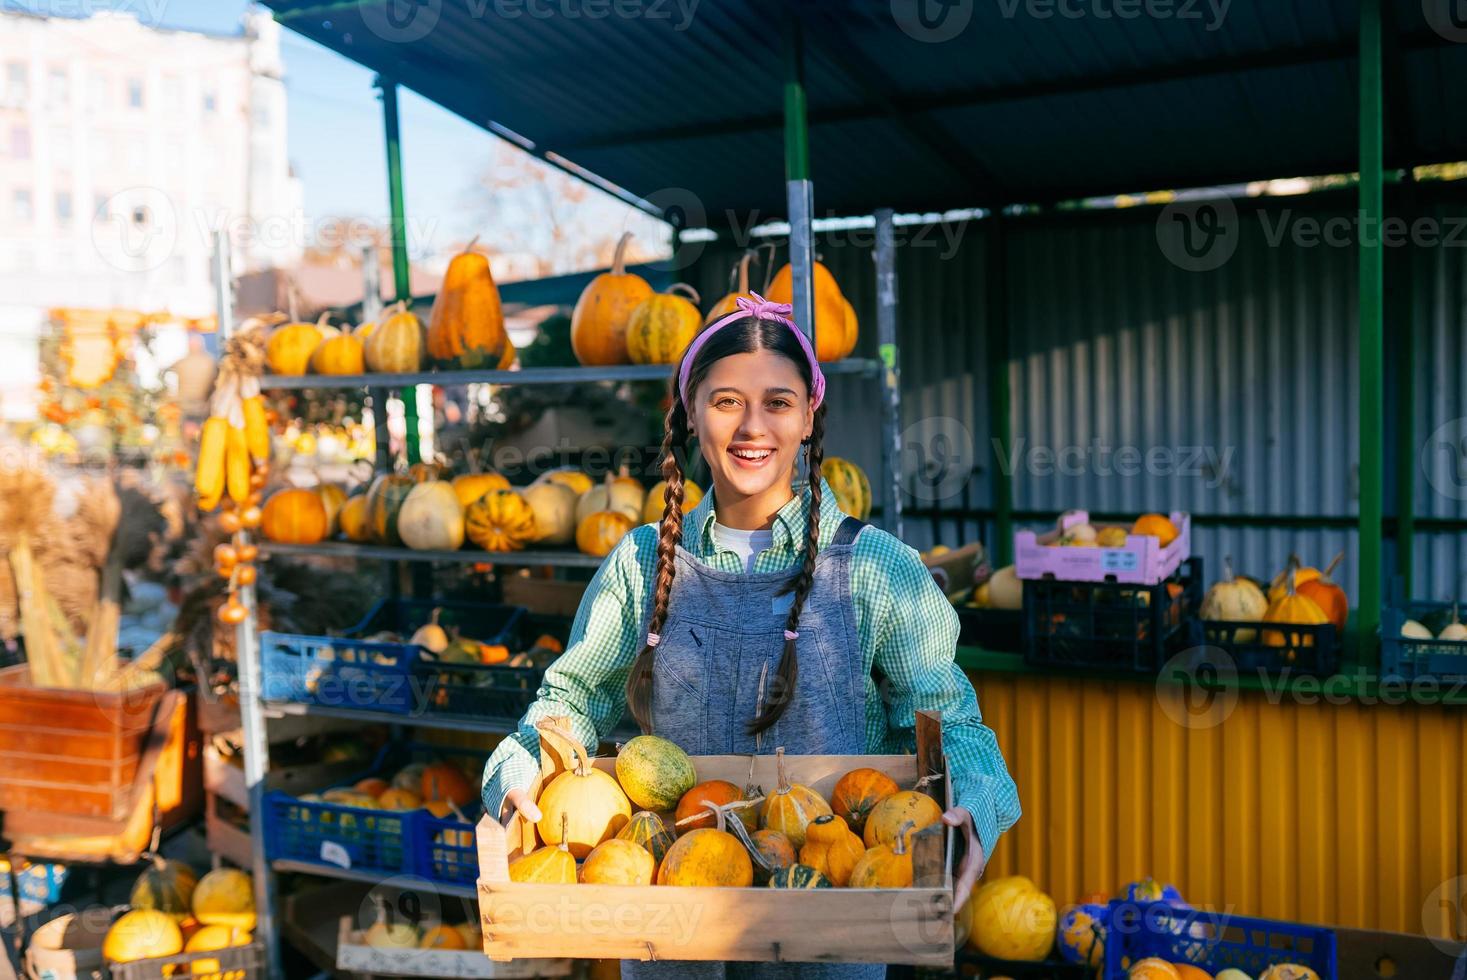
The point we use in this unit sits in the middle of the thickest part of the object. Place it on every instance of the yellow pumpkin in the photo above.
(289, 347)
(554, 505)
(225, 897)
(848, 481)
(1013, 920)
(294, 516)
(730, 302)
(571, 477)
(552, 864)
(338, 355)
(707, 857)
(602, 531)
(662, 326)
(1294, 609)
(618, 862)
(142, 934)
(442, 937)
(604, 310)
(652, 509)
(832, 849)
(431, 518)
(333, 498)
(620, 493)
(582, 806)
(395, 346)
(1153, 968)
(501, 520)
(466, 327)
(791, 807)
(834, 334)
(471, 486)
(885, 865)
(897, 811)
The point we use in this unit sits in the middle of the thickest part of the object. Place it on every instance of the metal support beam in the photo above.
(1401, 294)
(891, 379)
(372, 313)
(799, 194)
(1371, 305)
(996, 354)
(402, 284)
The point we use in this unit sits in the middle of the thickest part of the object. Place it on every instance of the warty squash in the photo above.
(604, 310)
(791, 807)
(582, 806)
(466, 327)
(663, 325)
(500, 520)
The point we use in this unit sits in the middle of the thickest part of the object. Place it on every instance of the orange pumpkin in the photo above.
(885, 865)
(662, 326)
(695, 803)
(604, 309)
(466, 327)
(442, 781)
(776, 850)
(500, 520)
(832, 849)
(294, 516)
(602, 531)
(835, 336)
(730, 302)
(857, 793)
(338, 355)
(1328, 596)
(290, 346)
(791, 807)
(1157, 526)
(909, 807)
(707, 857)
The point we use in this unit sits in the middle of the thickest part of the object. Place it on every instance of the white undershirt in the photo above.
(746, 544)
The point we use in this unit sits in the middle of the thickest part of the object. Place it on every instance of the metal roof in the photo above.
(1028, 101)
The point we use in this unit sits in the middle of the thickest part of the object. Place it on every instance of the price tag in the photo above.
(334, 853)
(1118, 560)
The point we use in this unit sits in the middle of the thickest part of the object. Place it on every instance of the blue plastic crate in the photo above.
(1211, 940)
(445, 849)
(39, 883)
(1400, 657)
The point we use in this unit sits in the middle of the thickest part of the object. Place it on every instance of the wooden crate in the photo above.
(67, 752)
(353, 954)
(546, 596)
(838, 925)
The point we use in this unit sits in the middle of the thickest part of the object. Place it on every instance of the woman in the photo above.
(756, 620)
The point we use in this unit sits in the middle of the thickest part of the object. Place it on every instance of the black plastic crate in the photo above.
(999, 630)
(1273, 647)
(1109, 626)
(1411, 658)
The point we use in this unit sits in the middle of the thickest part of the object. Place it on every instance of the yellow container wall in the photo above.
(1344, 814)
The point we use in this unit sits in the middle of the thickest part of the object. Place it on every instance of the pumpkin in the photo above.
(1186, 971)
(225, 897)
(395, 346)
(289, 347)
(834, 334)
(384, 500)
(1005, 589)
(582, 806)
(500, 520)
(620, 493)
(353, 519)
(373, 786)
(165, 886)
(338, 355)
(656, 504)
(442, 937)
(391, 935)
(554, 507)
(294, 516)
(333, 498)
(774, 849)
(1328, 596)
(431, 519)
(1234, 600)
(1279, 587)
(1157, 526)
(1013, 920)
(647, 830)
(1153, 968)
(853, 329)
(466, 327)
(707, 857)
(618, 862)
(1294, 609)
(599, 533)
(896, 811)
(604, 310)
(662, 326)
(799, 876)
(568, 476)
(654, 773)
(397, 798)
(885, 865)
(852, 489)
(730, 302)
(831, 848)
(208, 939)
(142, 934)
(791, 807)
(857, 793)
(552, 864)
(428, 469)
(1453, 631)
(469, 487)
(694, 806)
(442, 781)
(1288, 971)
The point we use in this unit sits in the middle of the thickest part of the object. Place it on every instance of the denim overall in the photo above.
(712, 672)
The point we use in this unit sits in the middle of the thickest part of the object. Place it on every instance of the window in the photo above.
(63, 207)
(58, 89)
(17, 83)
(20, 142)
(210, 101)
(134, 93)
(21, 206)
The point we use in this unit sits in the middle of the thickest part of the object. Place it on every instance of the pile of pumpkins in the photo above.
(1449, 627)
(426, 508)
(1088, 535)
(620, 319)
(464, 331)
(442, 788)
(397, 934)
(654, 822)
(1298, 595)
(174, 911)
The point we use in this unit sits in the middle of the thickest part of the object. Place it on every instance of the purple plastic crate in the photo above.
(1143, 561)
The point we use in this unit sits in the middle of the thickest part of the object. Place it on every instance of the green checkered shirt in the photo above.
(906, 626)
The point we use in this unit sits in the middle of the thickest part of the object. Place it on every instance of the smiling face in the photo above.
(751, 413)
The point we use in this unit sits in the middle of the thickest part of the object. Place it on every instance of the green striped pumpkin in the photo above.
(798, 876)
(647, 828)
(662, 326)
(166, 886)
(384, 501)
(852, 489)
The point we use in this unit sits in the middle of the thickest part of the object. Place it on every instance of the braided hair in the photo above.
(740, 337)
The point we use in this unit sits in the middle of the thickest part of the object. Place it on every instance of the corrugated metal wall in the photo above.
(1343, 814)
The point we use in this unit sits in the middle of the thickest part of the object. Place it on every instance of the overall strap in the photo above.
(846, 533)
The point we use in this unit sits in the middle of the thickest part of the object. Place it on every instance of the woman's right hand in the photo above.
(518, 799)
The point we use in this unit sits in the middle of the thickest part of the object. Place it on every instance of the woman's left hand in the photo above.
(973, 858)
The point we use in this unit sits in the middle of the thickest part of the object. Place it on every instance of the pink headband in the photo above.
(762, 309)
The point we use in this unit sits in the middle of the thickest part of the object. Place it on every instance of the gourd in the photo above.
(289, 347)
(1279, 587)
(1328, 596)
(395, 346)
(442, 781)
(554, 507)
(694, 810)
(1157, 526)
(835, 335)
(856, 794)
(791, 807)
(338, 355)
(655, 504)
(852, 488)
(399, 799)
(730, 302)
(663, 325)
(1153, 968)
(621, 493)
(1453, 631)
(707, 857)
(391, 935)
(908, 807)
(500, 520)
(582, 806)
(1013, 920)
(799, 876)
(1412, 630)
(1288, 971)
(353, 518)
(333, 498)
(832, 849)
(647, 830)
(618, 862)
(442, 937)
(165, 886)
(552, 864)
(469, 487)
(599, 533)
(293, 516)
(1005, 589)
(1294, 609)
(225, 897)
(603, 311)
(776, 851)
(142, 934)
(654, 772)
(885, 865)
(568, 476)
(428, 469)
(431, 519)
(384, 500)
(1234, 600)
(466, 327)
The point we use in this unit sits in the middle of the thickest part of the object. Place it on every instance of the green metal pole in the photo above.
(796, 127)
(1372, 295)
(1000, 423)
(1402, 311)
(402, 284)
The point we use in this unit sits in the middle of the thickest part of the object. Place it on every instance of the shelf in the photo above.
(348, 549)
(460, 723)
(529, 376)
(368, 877)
